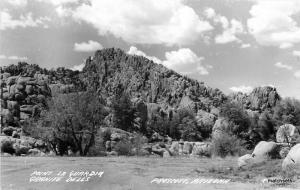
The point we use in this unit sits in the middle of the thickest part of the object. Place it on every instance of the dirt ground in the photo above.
(135, 173)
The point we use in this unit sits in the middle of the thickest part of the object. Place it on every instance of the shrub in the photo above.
(7, 147)
(236, 115)
(188, 126)
(73, 120)
(123, 112)
(287, 111)
(123, 148)
(226, 144)
(189, 130)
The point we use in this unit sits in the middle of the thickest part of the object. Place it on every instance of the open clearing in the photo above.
(138, 172)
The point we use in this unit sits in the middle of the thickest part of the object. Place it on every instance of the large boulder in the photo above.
(24, 116)
(202, 149)
(7, 116)
(27, 141)
(245, 161)
(11, 80)
(27, 109)
(4, 75)
(13, 105)
(285, 133)
(266, 150)
(174, 148)
(187, 147)
(34, 152)
(39, 144)
(29, 89)
(7, 144)
(158, 150)
(8, 130)
(116, 136)
(119, 134)
(292, 160)
(4, 139)
(156, 137)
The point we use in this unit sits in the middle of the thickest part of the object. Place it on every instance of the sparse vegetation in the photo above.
(227, 145)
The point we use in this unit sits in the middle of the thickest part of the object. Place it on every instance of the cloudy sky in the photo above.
(233, 45)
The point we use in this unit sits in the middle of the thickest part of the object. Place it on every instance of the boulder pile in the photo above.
(23, 146)
(22, 97)
(262, 152)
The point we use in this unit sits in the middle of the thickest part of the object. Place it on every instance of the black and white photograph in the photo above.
(150, 94)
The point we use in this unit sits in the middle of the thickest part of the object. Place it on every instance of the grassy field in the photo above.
(137, 173)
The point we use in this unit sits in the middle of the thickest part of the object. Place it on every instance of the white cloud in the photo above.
(87, 46)
(59, 2)
(296, 53)
(297, 74)
(285, 45)
(272, 23)
(134, 51)
(7, 22)
(3, 57)
(13, 57)
(185, 61)
(17, 3)
(229, 33)
(78, 67)
(283, 66)
(210, 12)
(230, 28)
(222, 20)
(144, 21)
(243, 89)
(245, 46)
(63, 11)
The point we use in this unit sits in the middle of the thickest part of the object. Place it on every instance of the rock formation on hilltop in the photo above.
(260, 99)
(112, 70)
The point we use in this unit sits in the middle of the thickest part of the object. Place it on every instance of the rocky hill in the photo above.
(112, 70)
(162, 100)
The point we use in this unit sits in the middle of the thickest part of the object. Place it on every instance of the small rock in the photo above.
(34, 152)
(5, 154)
(112, 153)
